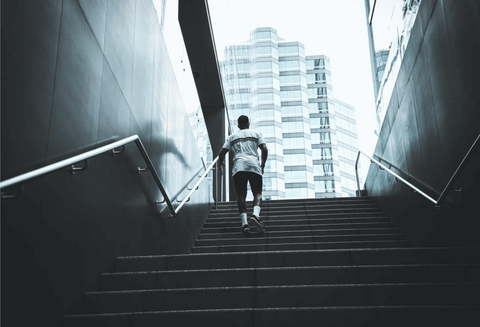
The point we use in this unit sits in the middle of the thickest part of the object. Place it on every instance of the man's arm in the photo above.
(221, 157)
(263, 148)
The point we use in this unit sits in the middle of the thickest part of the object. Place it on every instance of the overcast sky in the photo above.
(336, 28)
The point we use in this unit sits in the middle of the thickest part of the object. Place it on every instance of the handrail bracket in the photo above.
(74, 169)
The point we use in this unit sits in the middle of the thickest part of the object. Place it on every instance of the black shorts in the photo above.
(242, 177)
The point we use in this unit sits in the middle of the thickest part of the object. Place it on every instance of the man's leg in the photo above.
(256, 184)
(242, 201)
(257, 203)
(240, 181)
(257, 199)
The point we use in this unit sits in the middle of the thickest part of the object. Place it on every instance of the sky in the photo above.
(335, 28)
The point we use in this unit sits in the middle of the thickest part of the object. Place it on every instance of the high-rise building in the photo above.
(389, 25)
(311, 136)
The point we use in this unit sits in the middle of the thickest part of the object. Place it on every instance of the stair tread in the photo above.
(308, 286)
(266, 237)
(354, 231)
(295, 251)
(307, 243)
(433, 265)
(346, 307)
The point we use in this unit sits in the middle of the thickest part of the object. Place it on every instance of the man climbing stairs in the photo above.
(321, 262)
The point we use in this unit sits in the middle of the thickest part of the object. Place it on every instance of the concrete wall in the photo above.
(78, 74)
(432, 120)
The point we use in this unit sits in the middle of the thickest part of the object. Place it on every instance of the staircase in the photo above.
(323, 262)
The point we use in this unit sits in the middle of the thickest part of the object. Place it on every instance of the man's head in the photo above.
(243, 122)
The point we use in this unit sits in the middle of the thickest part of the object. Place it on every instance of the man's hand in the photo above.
(221, 158)
(263, 148)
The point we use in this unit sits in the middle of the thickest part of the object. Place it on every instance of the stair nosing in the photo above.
(251, 309)
(291, 244)
(165, 290)
(412, 265)
(307, 231)
(291, 237)
(300, 251)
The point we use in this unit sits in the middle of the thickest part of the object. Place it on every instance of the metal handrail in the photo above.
(397, 177)
(205, 173)
(92, 153)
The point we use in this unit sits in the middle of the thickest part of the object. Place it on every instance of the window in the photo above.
(291, 50)
(292, 80)
(265, 35)
(292, 65)
(318, 64)
(294, 142)
(324, 186)
(263, 65)
(322, 154)
(265, 97)
(321, 122)
(318, 107)
(296, 193)
(323, 170)
(318, 78)
(265, 81)
(270, 131)
(320, 92)
(292, 111)
(293, 126)
(293, 95)
(266, 51)
(321, 138)
(269, 114)
(273, 148)
(269, 184)
(295, 159)
(295, 175)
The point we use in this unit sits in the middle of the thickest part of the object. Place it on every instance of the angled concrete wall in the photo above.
(432, 120)
(78, 74)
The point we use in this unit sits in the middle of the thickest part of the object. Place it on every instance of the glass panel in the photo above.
(295, 159)
(321, 122)
(295, 175)
(324, 186)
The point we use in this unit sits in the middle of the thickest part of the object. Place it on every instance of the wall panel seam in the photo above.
(54, 85)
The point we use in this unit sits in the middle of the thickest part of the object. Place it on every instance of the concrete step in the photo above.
(299, 246)
(295, 214)
(371, 316)
(266, 238)
(294, 223)
(280, 209)
(300, 202)
(305, 226)
(311, 232)
(294, 258)
(276, 276)
(397, 294)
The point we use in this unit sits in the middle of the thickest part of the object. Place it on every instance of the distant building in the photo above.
(311, 136)
(389, 25)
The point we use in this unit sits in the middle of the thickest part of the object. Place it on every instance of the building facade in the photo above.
(311, 136)
(389, 25)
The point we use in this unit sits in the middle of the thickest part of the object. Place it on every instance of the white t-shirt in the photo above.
(244, 146)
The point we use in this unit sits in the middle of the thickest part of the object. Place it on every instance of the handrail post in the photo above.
(222, 196)
(356, 174)
(400, 178)
(205, 174)
(215, 184)
(155, 176)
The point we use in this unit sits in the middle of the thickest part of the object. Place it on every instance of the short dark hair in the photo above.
(243, 120)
